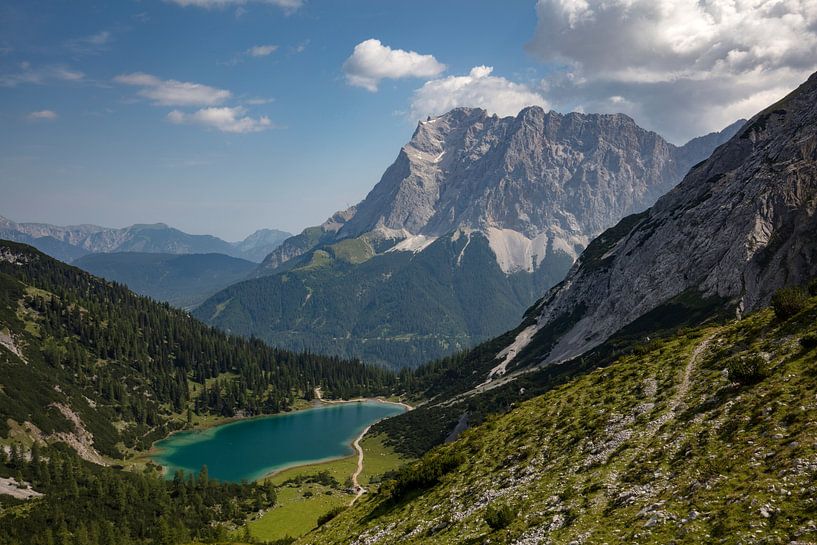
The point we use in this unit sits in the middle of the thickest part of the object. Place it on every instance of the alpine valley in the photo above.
(477, 216)
(537, 328)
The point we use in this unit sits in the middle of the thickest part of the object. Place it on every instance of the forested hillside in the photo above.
(183, 280)
(87, 362)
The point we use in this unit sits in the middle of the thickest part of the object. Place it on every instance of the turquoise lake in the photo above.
(250, 449)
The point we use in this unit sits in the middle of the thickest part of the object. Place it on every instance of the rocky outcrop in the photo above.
(740, 225)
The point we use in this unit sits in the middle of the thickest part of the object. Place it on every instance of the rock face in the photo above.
(740, 225)
(534, 184)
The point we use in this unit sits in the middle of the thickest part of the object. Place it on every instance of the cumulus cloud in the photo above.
(371, 62)
(232, 120)
(681, 67)
(43, 115)
(39, 76)
(262, 50)
(173, 93)
(478, 89)
(287, 5)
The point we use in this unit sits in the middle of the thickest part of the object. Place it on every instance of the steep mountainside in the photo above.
(88, 363)
(71, 242)
(534, 184)
(477, 217)
(739, 226)
(182, 280)
(397, 308)
(705, 437)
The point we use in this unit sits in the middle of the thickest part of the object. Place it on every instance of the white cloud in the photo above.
(681, 67)
(287, 5)
(39, 76)
(174, 93)
(43, 115)
(478, 89)
(95, 43)
(262, 50)
(371, 62)
(232, 120)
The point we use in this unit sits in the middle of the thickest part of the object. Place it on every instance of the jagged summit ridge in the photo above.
(535, 183)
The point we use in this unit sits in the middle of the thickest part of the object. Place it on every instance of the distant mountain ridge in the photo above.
(477, 216)
(183, 280)
(68, 243)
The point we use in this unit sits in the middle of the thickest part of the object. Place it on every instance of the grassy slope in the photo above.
(656, 448)
(295, 514)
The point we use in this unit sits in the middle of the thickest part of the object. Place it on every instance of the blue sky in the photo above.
(224, 116)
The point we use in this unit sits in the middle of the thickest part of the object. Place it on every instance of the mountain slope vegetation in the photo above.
(395, 308)
(704, 437)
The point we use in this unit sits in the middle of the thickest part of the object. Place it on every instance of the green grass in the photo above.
(633, 453)
(295, 515)
(352, 250)
(378, 458)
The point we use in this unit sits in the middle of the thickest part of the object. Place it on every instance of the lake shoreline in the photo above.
(155, 451)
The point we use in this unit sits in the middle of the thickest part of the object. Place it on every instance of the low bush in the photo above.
(421, 475)
(809, 342)
(788, 301)
(500, 516)
(812, 286)
(329, 515)
(747, 369)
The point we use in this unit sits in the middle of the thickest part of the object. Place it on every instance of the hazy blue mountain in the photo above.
(67, 243)
(182, 280)
(261, 243)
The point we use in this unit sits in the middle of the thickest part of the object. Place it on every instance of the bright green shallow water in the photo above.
(249, 449)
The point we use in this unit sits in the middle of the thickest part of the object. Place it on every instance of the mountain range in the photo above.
(74, 241)
(651, 396)
(661, 392)
(477, 216)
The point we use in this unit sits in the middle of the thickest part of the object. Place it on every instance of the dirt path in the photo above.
(359, 490)
(692, 364)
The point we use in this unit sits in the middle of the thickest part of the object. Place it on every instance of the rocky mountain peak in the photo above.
(534, 183)
(739, 226)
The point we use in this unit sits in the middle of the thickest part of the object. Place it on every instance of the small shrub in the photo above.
(747, 369)
(788, 301)
(812, 286)
(421, 475)
(809, 342)
(498, 517)
(329, 515)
